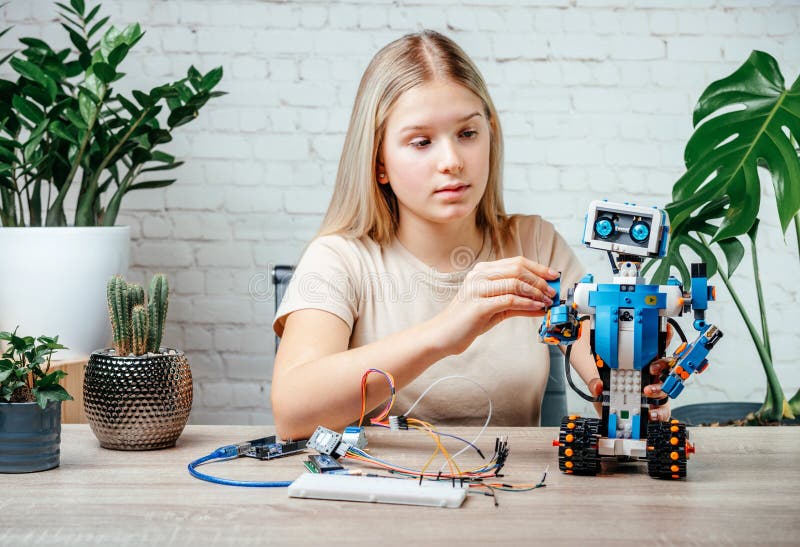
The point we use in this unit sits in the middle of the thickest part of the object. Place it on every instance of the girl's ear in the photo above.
(380, 172)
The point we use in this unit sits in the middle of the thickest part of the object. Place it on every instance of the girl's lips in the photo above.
(450, 192)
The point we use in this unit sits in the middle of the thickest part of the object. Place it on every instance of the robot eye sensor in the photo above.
(640, 231)
(604, 227)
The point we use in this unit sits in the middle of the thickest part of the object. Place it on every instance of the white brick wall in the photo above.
(595, 95)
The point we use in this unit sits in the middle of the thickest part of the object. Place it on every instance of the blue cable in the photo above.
(226, 453)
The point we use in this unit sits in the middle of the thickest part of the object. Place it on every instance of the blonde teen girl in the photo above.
(417, 270)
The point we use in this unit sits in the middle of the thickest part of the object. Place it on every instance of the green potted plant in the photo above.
(138, 394)
(30, 404)
(65, 130)
(742, 122)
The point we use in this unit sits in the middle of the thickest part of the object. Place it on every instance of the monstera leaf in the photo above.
(688, 237)
(744, 121)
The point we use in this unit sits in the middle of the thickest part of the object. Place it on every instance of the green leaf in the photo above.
(78, 5)
(7, 156)
(163, 157)
(72, 69)
(140, 155)
(151, 184)
(38, 94)
(142, 98)
(75, 118)
(111, 39)
(33, 142)
(91, 14)
(105, 72)
(50, 393)
(29, 71)
(734, 252)
(193, 74)
(118, 54)
(211, 79)
(132, 34)
(725, 151)
(165, 91)
(159, 136)
(128, 105)
(7, 57)
(97, 26)
(86, 106)
(65, 7)
(164, 167)
(77, 40)
(28, 109)
(33, 43)
(59, 130)
(181, 115)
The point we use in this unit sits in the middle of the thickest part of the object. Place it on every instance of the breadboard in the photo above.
(377, 490)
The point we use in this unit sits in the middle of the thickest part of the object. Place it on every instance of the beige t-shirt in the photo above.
(379, 291)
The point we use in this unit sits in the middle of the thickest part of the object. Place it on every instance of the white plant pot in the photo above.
(53, 281)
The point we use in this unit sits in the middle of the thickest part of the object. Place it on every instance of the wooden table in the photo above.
(742, 487)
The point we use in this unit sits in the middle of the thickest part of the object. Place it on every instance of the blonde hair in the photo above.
(359, 205)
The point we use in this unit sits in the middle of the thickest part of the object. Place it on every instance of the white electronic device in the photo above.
(377, 490)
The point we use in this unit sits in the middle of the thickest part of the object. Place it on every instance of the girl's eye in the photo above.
(469, 133)
(420, 143)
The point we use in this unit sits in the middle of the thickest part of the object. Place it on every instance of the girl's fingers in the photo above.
(507, 302)
(518, 268)
(511, 286)
(595, 387)
(654, 391)
(656, 367)
(669, 334)
(660, 413)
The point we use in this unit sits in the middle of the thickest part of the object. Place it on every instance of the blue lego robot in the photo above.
(628, 320)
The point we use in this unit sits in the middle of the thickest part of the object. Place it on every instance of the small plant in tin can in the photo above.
(25, 375)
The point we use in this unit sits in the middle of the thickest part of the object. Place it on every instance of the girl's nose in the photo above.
(450, 161)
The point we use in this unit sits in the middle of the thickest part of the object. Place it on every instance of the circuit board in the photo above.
(269, 448)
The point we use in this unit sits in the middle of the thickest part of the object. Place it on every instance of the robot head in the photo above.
(626, 229)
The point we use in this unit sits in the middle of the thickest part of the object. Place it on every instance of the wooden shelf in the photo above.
(72, 411)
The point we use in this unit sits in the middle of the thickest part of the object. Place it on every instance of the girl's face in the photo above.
(435, 152)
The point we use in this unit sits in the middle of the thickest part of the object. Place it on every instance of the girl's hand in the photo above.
(491, 292)
(658, 413)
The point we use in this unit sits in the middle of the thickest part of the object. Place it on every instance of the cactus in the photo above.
(135, 296)
(139, 330)
(117, 295)
(157, 311)
(137, 324)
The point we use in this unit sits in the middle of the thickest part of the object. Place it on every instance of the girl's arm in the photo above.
(317, 380)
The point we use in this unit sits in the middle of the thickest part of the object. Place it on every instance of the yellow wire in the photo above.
(437, 438)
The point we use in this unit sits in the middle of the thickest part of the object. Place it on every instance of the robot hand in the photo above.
(688, 359)
(561, 324)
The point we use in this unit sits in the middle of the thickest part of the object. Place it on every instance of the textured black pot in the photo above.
(137, 402)
(711, 413)
(30, 437)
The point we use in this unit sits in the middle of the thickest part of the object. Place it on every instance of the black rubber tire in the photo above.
(666, 459)
(578, 454)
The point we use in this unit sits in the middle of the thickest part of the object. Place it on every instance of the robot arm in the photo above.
(688, 359)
